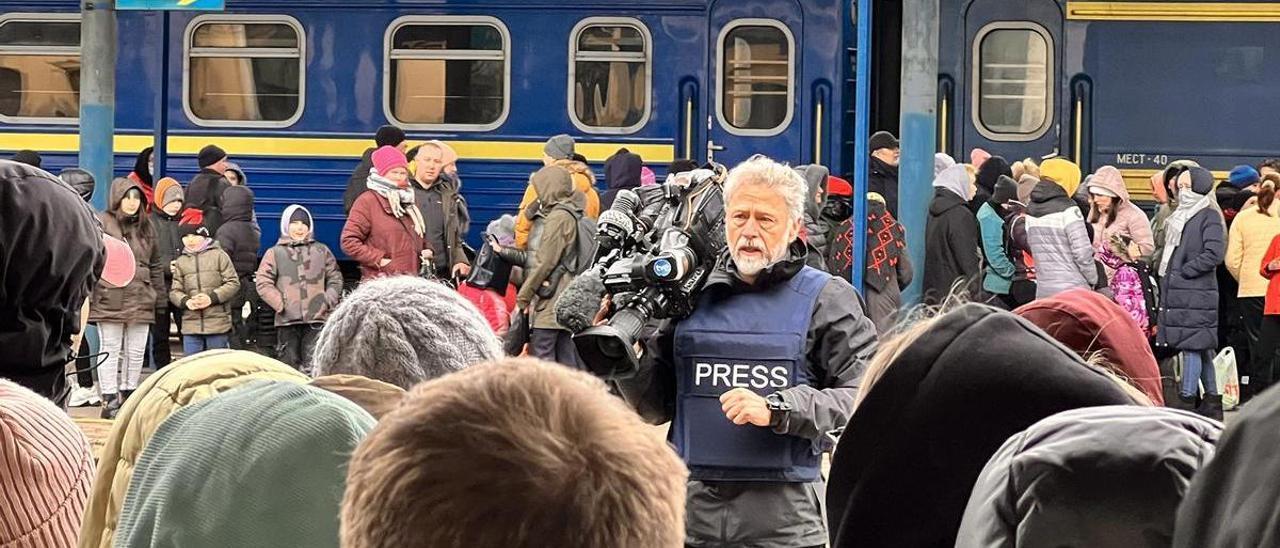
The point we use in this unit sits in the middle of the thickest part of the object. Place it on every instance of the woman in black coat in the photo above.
(951, 235)
(1188, 317)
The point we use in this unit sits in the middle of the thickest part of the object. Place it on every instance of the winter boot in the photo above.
(111, 405)
(1182, 402)
(1211, 407)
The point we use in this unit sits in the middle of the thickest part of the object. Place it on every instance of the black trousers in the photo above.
(244, 331)
(160, 334)
(1020, 293)
(553, 345)
(1267, 359)
(295, 343)
(1255, 368)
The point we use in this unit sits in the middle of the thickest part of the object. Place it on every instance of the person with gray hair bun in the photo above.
(760, 375)
(403, 330)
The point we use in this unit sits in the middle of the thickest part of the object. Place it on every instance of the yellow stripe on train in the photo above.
(323, 147)
(1225, 12)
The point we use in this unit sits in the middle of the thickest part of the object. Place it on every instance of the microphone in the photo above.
(577, 307)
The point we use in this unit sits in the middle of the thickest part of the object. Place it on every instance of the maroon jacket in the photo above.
(372, 233)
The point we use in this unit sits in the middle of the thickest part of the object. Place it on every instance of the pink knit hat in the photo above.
(388, 158)
(48, 472)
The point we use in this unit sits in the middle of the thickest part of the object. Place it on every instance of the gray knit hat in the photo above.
(559, 147)
(403, 331)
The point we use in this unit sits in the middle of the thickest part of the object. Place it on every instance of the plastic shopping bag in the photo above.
(1224, 365)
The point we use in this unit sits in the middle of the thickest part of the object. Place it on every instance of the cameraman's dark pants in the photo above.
(553, 345)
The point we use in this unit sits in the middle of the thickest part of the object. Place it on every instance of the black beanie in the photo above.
(300, 215)
(188, 229)
(389, 136)
(210, 155)
(29, 157)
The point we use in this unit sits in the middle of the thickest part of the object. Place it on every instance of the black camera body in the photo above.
(655, 266)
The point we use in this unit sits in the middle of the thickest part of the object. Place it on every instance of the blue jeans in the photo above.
(195, 344)
(1197, 368)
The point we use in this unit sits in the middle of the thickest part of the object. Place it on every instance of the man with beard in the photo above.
(757, 379)
(882, 177)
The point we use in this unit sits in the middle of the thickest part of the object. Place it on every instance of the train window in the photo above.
(40, 68)
(609, 75)
(1012, 81)
(244, 71)
(447, 73)
(756, 77)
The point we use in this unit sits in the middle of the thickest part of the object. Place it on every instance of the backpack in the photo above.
(1150, 290)
(578, 260)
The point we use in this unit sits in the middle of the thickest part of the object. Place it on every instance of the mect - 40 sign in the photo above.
(200, 5)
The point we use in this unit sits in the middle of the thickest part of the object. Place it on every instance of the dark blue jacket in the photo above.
(1188, 316)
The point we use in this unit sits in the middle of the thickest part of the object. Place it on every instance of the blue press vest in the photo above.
(750, 340)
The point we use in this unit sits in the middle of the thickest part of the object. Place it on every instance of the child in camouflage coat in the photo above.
(300, 280)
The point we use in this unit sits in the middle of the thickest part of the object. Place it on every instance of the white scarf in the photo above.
(401, 199)
(1189, 204)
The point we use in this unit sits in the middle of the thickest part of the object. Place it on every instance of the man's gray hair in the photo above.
(762, 170)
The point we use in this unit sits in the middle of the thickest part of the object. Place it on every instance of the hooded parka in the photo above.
(178, 385)
(1102, 477)
(951, 236)
(558, 236)
(1088, 323)
(299, 279)
(1131, 222)
(904, 468)
(240, 235)
(137, 302)
(584, 195)
(1188, 315)
(621, 172)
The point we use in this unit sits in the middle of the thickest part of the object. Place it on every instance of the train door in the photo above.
(753, 93)
(1013, 81)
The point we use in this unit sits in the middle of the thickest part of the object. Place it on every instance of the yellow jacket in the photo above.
(584, 186)
(1250, 236)
(182, 383)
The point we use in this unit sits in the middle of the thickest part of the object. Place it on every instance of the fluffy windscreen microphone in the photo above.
(577, 307)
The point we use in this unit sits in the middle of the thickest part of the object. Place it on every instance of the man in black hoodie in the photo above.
(758, 377)
(204, 194)
(387, 136)
(621, 171)
(52, 257)
(240, 236)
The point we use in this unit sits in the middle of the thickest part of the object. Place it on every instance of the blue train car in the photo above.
(295, 90)
(1129, 84)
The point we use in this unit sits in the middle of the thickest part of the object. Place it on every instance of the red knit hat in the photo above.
(48, 471)
(838, 187)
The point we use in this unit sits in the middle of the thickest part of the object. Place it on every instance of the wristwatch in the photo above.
(778, 409)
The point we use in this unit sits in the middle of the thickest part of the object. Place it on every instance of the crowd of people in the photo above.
(1060, 389)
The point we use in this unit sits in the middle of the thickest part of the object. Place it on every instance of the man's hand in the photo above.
(743, 406)
(602, 315)
(461, 270)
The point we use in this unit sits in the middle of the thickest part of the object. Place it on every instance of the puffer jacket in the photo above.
(584, 195)
(1110, 476)
(1059, 242)
(1188, 315)
(240, 236)
(1131, 222)
(206, 271)
(1247, 242)
(137, 302)
(373, 233)
(299, 279)
(183, 383)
